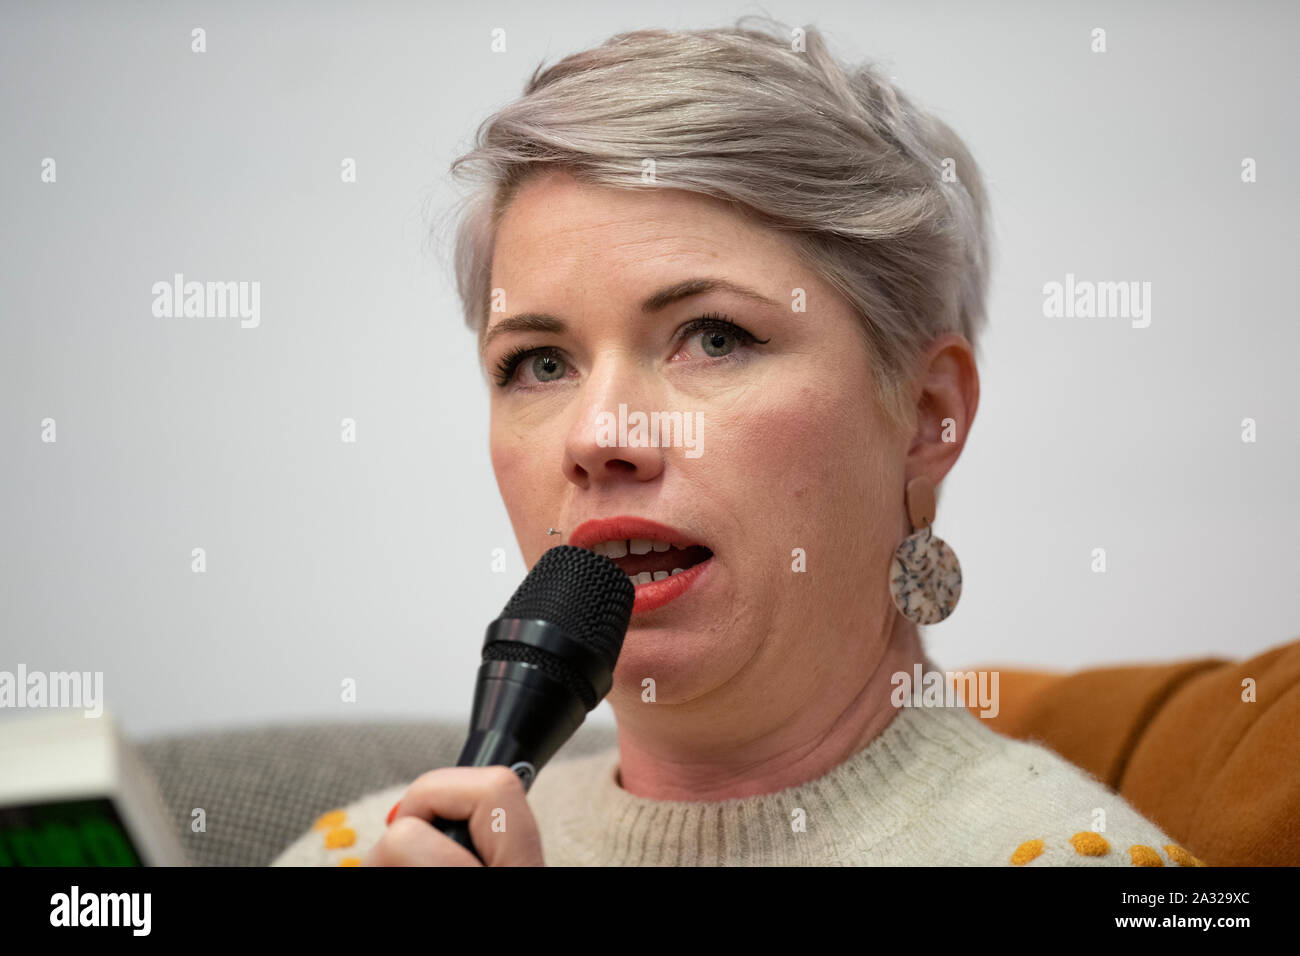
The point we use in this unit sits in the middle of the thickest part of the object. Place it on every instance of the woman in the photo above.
(727, 225)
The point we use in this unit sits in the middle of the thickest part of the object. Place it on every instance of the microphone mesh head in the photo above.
(585, 593)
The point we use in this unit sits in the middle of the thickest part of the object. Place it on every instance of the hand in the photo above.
(492, 799)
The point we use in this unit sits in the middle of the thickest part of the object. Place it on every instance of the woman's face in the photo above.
(792, 457)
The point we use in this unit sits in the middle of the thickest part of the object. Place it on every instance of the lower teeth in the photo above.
(645, 577)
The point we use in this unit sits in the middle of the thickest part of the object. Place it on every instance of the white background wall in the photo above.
(371, 560)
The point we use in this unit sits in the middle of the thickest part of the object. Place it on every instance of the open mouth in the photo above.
(645, 560)
(662, 562)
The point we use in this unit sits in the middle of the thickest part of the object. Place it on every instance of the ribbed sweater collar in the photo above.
(588, 819)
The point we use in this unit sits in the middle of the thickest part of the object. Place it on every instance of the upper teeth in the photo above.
(618, 549)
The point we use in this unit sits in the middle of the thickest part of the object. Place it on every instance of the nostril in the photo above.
(618, 464)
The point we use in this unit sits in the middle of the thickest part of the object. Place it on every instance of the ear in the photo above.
(946, 392)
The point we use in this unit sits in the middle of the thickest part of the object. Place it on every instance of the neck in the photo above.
(809, 744)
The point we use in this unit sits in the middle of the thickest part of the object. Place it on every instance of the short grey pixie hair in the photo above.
(880, 198)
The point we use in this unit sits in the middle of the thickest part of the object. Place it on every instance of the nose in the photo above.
(603, 445)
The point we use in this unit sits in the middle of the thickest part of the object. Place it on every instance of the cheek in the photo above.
(819, 469)
(529, 476)
(805, 442)
(515, 465)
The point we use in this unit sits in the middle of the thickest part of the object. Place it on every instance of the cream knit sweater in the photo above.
(937, 787)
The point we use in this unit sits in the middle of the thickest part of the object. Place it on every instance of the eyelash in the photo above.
(711, 322)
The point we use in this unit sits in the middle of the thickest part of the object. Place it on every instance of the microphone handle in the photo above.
(486, 749)
(458, 830)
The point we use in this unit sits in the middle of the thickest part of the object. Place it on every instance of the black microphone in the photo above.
(548, 660)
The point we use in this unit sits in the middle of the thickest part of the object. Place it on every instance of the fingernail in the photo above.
(393, 812)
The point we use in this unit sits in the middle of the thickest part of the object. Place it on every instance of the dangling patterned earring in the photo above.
(925, 578)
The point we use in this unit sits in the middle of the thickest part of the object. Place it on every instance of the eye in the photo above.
(718, 336)
(717, 342)
(544, 365)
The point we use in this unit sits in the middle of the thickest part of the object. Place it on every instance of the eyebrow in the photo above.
(656, 302)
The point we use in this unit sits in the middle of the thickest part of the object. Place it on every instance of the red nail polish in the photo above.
(393, 812)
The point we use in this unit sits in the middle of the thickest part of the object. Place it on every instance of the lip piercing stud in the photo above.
(552, 531)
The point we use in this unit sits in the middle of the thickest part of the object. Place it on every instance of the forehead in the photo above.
(562, 241)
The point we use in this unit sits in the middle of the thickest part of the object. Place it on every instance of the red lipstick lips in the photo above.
(682, 550)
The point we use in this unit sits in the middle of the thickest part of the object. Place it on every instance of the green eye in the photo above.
(717, 343)
(548, 368)
(719, 336)
(544, 363)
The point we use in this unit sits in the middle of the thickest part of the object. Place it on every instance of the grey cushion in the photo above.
(262, 788)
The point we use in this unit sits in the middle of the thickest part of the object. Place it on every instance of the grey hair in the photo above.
(839, 160)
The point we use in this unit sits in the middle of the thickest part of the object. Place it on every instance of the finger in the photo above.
(411, 841)
(492, 799)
